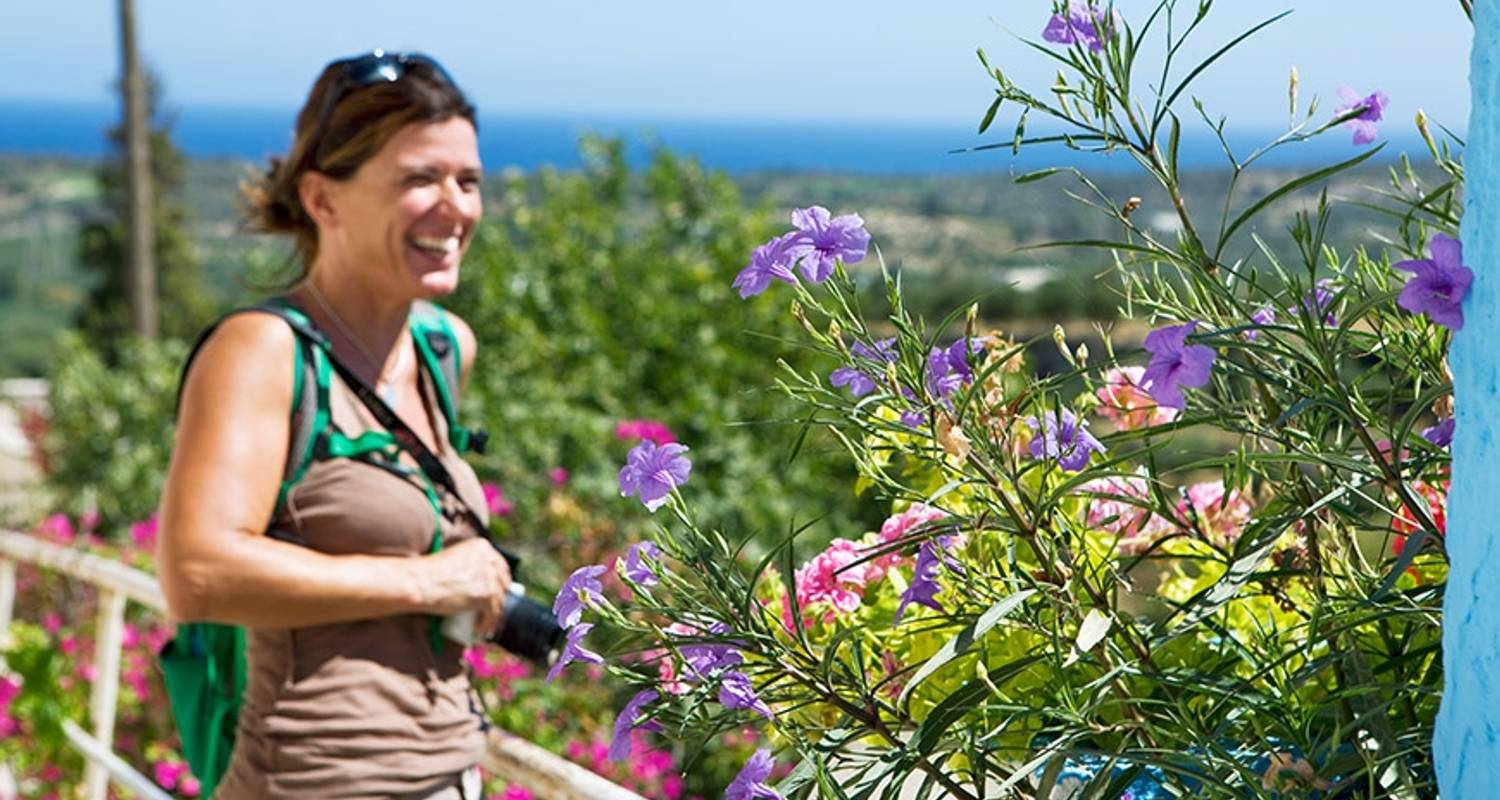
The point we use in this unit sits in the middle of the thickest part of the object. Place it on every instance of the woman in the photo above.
(349, 694)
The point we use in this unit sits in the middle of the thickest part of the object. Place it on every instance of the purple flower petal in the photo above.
(1061, 435)
(637, 571)
(1372, 109)
(1441, 434)
(859, 383)
(652, 471)
(1439, 284)
(769, 262)
(750, 784)
(1175, 364)
(619, 743)
(581, 588)
(820, 240)
(574, 650)
(737, 693)
(923, 589)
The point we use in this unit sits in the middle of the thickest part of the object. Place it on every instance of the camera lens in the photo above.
(528, 628)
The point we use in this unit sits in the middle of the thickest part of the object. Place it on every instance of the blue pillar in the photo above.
(1467, 744)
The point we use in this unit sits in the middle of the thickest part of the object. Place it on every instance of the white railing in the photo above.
(509, 757)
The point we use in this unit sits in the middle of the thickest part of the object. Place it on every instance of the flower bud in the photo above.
(1060, 338)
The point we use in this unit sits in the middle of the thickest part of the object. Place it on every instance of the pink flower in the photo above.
(832, 577)
(89, 521)
(657, 432)
(1220, 519)
(189, 787)
(9, 726)
(87, 671)
(559, 476)
(898, 526)
(57, 528)
(69, 645)
(1123, 401)
(143, 533)
(513, 792)
(9, 688)
(50, 772)
(130, 637)
(495, 500)
(475, 658)
(169, 773)
(1136, 526)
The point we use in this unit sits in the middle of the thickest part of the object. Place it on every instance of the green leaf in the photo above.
(989, 115)
(966, 638)
(1038, 175)
(1181, 87)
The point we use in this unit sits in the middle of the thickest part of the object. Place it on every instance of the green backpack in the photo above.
(204, 665)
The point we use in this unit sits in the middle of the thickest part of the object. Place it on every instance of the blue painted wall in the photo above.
(1468, 728)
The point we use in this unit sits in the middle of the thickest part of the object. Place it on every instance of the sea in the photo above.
(736, 146)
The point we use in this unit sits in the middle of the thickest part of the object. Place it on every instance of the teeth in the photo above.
(439, 244)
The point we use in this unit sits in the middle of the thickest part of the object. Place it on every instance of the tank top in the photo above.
(367, 708)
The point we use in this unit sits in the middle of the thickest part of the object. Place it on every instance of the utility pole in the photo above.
(139, 225)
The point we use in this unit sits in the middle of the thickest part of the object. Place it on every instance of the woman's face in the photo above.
(407, 215)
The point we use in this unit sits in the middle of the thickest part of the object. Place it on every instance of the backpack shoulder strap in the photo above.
(440, 351)
(310, 380)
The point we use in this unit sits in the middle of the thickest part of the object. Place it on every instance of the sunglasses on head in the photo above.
(357, 72)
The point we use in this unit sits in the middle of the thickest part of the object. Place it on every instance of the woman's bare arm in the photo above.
(215, 562)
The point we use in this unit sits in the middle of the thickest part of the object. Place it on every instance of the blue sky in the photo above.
(837, 60)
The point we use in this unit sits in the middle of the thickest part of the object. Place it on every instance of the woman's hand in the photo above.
(469, 576)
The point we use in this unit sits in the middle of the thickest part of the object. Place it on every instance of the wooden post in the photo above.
(139, 224)
(109, 635)
(1466, 747)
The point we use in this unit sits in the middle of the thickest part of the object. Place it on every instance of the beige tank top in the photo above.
(359, 709)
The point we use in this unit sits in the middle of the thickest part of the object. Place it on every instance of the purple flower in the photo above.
(1317, 299)
(913, 418)
(651, 472)
(859, 383)
(1441, 434)
(958, 356)
(619, 744)
(582, 587)
(1082, 23)
(574, 651)
(883, 351)
(1372, 108)
(769, 261)
(1265, 315)
(1063, 436)
(1440, 284)
(942, 378)
(750, 783)
(1175, 364)
(923, 589)
(819, 240)
(637, 571)
(737, 693)
(705, 659)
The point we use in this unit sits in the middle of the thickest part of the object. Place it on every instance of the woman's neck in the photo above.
(370, 325)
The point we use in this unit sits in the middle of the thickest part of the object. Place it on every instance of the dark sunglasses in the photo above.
(357, 72)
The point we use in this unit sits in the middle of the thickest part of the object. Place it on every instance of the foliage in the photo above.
(110, 432)
(1060, 622)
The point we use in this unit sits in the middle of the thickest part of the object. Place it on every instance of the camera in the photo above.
(527, 628)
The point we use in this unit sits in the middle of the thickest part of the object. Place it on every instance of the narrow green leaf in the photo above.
(1198, 70)
(989, 115)
(1038, 175)
(966, 638)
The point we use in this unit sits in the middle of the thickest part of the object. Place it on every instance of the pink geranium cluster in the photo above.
(632, 429)
(495, 500)
(489, 663)
(1123, 402)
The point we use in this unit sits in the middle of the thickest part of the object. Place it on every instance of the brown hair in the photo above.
(361, 121)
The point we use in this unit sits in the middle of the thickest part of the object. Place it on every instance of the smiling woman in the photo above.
(377, 526)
